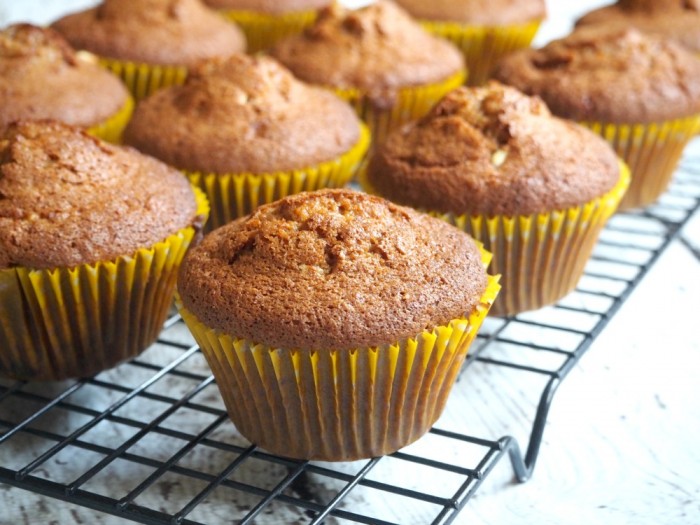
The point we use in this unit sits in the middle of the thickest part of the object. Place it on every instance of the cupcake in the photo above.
(639, 92)
(677, 20)
(151, 43)
(335, 322)
(264, 22)
(378, 58)
(91, 237)
(41, 77)
(485, 31)
(247, 132)
(534, 189)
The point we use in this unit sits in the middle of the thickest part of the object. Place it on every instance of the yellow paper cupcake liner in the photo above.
(541, 257)
(144, 79)
(652, 152)
(111, 129)
(74, 322)
(263, 30)
(483, 46)
(235, 195)
(412, 103)
(333, 405)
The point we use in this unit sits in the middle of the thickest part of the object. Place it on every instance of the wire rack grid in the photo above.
(150, 441)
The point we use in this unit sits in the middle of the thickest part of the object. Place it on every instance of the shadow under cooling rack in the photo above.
(150, 441)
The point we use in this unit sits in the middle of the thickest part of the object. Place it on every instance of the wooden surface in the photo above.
(620, 444)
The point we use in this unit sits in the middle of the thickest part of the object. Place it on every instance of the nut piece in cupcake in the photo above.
(335, 322)
(248, 132)
(377, 57)
(91, 236)
(535, 189)
(485, 30)
(267, 21)
(42, 77)
(151, 43)
(642, 93)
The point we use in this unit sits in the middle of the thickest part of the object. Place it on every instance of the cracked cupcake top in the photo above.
(478, 12)
(243, 114)
(608, 74)
(166, 32)
(332, 269)
(42, 77)
(67, 198)
(492, 150)
(378, 49)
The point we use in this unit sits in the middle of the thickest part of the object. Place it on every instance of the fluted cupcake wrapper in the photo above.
(74, 322)
(235, 195)
(411, 103)
(652, 152)
(335, 405)
(484, 46)
(144, 79)
(263, 30)
(111, 129)
(541, 257)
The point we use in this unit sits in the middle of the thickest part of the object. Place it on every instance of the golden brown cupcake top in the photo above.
(493, 151)
(332, 269)
(477, 12)
(166, 32)
(608, 74)
(377, 49)
(41, 77)
(269, 6)
(69, 199)
(678, 20)
(243, 114)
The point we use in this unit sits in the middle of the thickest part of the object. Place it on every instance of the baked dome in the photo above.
(165, 32)
(243, 114)
(493, 151)
(41, 77)
(70, 199)
(332, 269)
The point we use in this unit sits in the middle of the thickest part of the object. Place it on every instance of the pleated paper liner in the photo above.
(263, 30)
(334, 405)
(235, 195)
(74, 322)
(484, 46)
(144, 79)
(412, 103)
(652, 152)
(111, 129)
(541, 257)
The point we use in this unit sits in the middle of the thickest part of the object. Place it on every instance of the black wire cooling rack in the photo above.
(150, 441)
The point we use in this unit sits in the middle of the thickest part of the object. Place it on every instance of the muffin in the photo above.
(378, 58)
(484, 30)
(91, 237)
(639, 92)
(247, 132)
(151, 43)
(41, 77)
(264, 22)
(534, 189)
(677, 20)
(335, 322)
